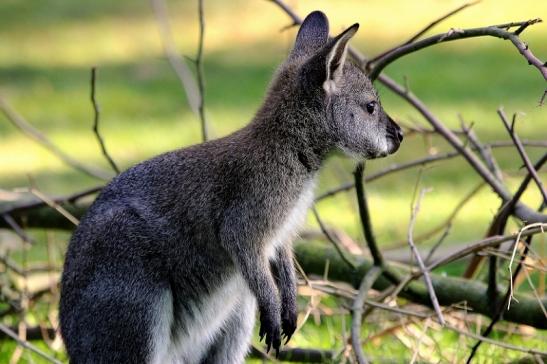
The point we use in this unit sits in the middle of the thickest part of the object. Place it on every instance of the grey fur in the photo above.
(171, 235)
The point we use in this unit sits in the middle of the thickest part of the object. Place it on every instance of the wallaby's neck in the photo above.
(287, 125)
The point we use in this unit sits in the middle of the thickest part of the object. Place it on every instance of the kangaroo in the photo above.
(172, 260)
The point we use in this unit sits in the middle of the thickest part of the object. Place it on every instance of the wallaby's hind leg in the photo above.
(231, 344)
(112, 321)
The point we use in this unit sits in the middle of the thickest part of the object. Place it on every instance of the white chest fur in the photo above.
(293, 220)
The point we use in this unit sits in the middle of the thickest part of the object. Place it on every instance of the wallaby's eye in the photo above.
(371, 106)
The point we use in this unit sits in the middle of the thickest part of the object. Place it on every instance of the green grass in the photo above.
(48, 48)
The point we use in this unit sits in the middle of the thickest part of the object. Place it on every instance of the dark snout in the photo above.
(394, 134)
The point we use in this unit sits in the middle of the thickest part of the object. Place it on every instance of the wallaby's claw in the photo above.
(288, 324)
(287, 338)
(271, 331)
(261, 332)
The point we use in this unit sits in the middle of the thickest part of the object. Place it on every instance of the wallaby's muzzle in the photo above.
(394, 135)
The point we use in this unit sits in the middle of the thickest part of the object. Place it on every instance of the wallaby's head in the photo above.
(342, 98)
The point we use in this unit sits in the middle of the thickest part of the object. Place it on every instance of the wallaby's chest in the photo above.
(291, 220)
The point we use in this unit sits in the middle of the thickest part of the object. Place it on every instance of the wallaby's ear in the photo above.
(312, 35)
(326, 66)
(336, 57)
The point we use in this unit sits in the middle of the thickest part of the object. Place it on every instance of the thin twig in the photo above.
(199, 74)
(357, 311)
(484, 152)
(25, 344)
(496, 342)
(438, 243)
(473, 247)
(178, 64)
(535, 292)
(51, 203)
(424, 30)
(442, 225)
(522, 152)
(19, 122)
(421, 162)
(96, 115)
(333, 241)
(29, 205)
(542, 98)
(515, 246)
(16, 228)
(421, 264)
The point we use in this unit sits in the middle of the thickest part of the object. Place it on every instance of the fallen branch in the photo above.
(450, 290)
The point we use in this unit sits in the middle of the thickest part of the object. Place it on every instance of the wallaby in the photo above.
(172, 259)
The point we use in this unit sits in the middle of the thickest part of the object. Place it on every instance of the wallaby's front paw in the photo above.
(289, 316)
(270, 328)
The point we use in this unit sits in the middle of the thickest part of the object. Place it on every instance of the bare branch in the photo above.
(523, 212)
(456, 34)
(365, 215)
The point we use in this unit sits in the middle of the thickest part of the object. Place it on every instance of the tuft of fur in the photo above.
(173, 258)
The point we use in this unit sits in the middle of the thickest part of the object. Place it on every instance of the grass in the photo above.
(48, 48)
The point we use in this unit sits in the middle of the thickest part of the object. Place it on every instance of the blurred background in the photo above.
(47, 49)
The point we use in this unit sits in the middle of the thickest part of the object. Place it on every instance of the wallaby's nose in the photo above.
(399, 133)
